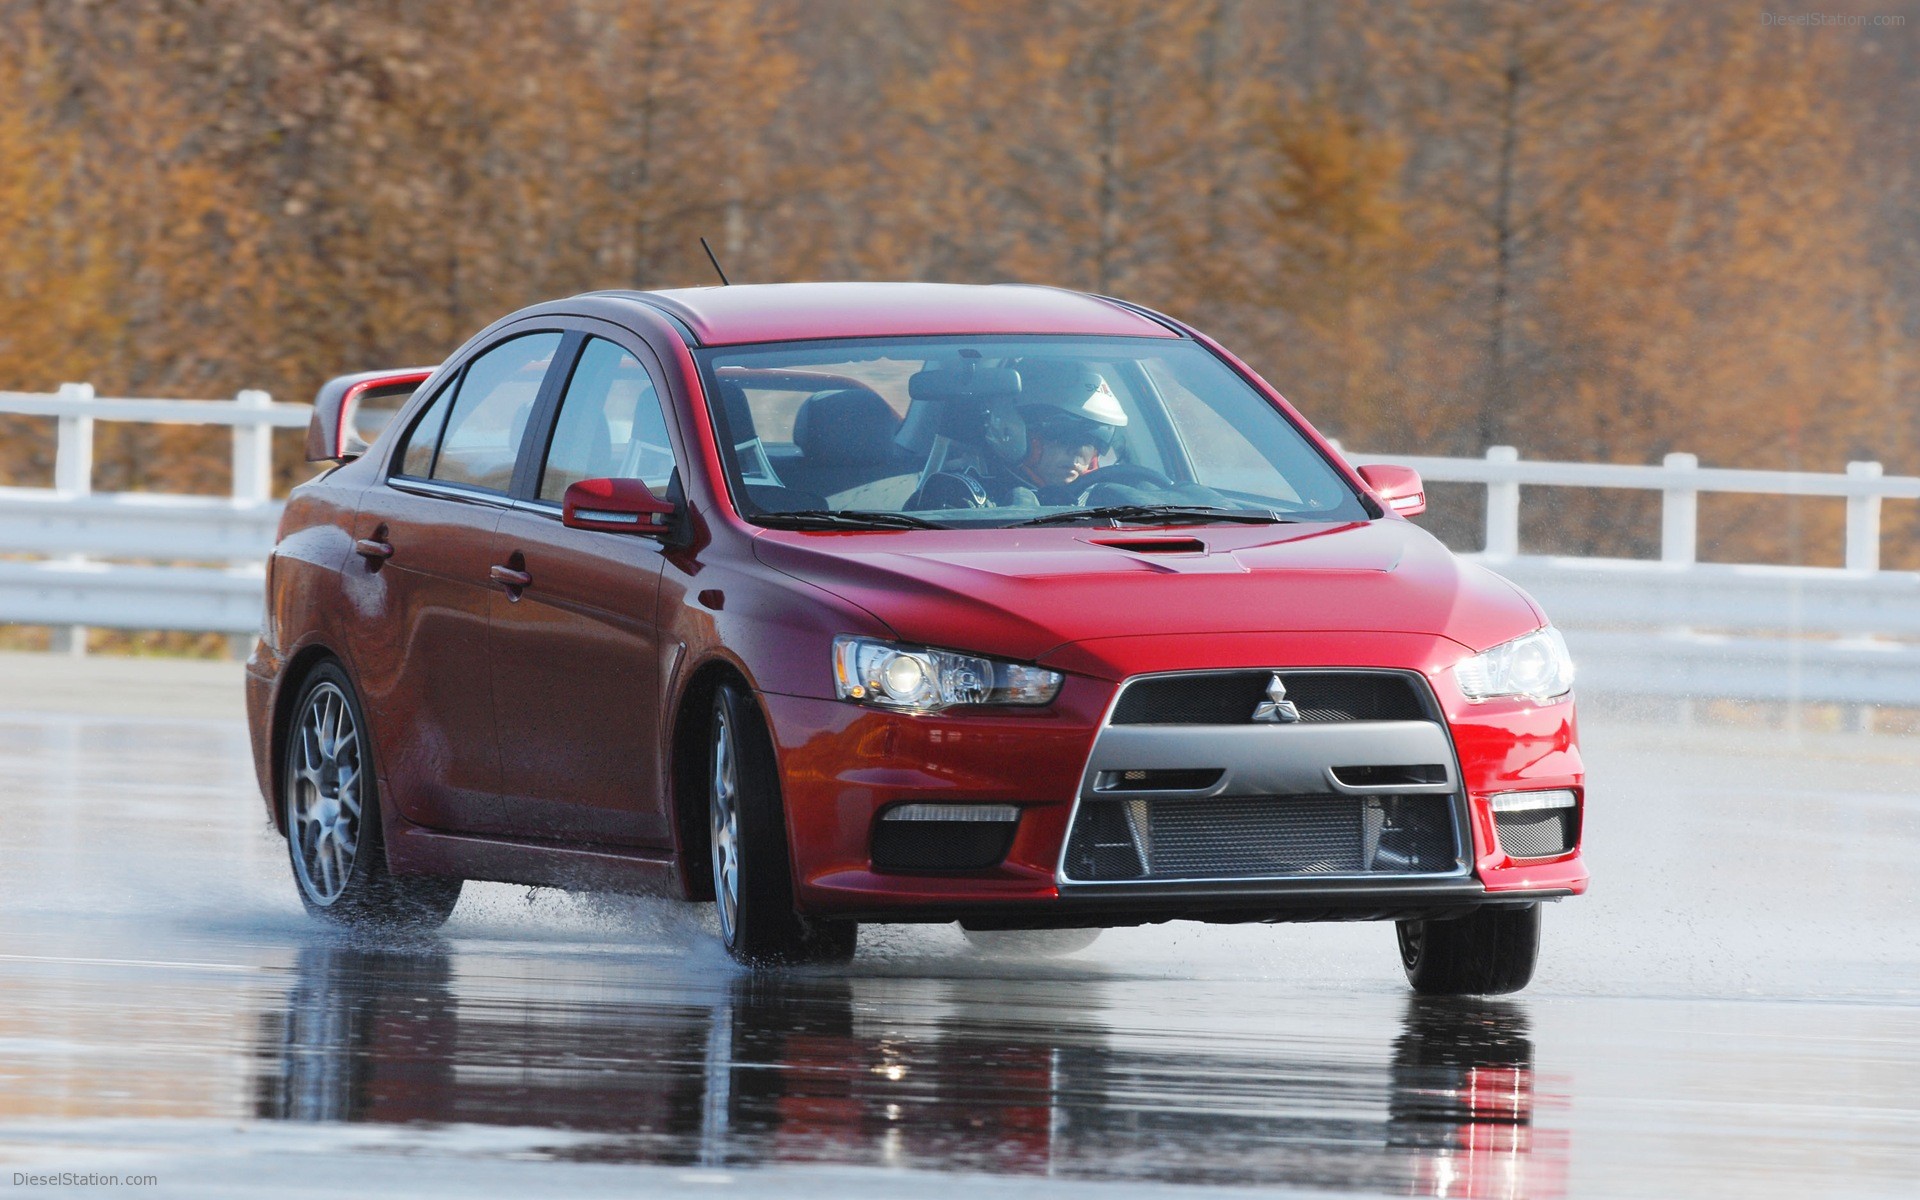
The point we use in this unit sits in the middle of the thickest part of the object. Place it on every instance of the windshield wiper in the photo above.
(823, 518)
(1168, 513)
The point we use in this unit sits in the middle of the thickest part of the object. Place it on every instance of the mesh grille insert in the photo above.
(1261, 837)
(1540, 833)
(1229, 697)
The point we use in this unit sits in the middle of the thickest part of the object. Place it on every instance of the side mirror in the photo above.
(1398, 488)
(616, 506)
(351, 410)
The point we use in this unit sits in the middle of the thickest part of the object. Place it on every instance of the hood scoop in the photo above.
(1153, 545)
(1172, 555)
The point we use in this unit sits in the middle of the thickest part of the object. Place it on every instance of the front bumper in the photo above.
(842, 764)
(1266, 901)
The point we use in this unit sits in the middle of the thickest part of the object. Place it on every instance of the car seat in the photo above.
(598, 462)
(846, 440)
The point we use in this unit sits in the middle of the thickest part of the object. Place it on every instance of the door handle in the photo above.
(511, 578)
(373, 550)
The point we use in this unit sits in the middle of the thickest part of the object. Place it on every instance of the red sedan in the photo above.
(837, 603)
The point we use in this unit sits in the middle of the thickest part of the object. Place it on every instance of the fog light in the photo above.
(944, 837)
(952, 812)
(1510, 802)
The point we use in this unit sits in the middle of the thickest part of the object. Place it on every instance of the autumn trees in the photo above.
(1591, 230)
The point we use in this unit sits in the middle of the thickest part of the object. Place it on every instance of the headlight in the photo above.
(921, 679)
(1536, 666)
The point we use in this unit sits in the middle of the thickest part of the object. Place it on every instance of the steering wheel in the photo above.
(1131, 475)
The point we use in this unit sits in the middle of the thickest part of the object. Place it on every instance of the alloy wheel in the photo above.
(724, 813)
(1412, 935)
(324, 793)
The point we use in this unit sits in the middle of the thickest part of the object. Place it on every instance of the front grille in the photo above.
(1230, 697)
(1538, 833)
(1259, 837)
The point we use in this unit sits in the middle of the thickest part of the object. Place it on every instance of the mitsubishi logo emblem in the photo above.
(1276, 708)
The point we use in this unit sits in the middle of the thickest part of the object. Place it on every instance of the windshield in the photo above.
(997, 432)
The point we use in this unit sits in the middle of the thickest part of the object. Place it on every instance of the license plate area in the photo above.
(1261, 837)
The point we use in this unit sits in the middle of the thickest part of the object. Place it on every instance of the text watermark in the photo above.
(1834, 20)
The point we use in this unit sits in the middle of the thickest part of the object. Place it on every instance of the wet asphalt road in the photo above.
(1734, 1010)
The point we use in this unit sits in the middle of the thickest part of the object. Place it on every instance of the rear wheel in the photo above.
(333, 819)
(1485, 953)
(752, 881)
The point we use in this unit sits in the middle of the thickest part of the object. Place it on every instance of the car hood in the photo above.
(1020, 593)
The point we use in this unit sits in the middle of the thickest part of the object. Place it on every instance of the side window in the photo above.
(490, 411)
(610, 425)
(416, 458)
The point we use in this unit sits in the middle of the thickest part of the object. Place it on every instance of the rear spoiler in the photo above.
(332, 435)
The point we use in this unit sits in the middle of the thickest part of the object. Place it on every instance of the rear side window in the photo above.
(416, 459)
(487, 416)
(610, 425)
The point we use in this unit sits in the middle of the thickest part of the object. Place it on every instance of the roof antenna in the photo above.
(724, 281)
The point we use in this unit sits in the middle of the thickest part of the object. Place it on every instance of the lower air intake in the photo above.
(1540, 833)
(944, 837)
(1261, 837)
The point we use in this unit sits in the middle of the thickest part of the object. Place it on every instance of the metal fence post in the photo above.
(73, 454)
(1680, 541)
(1863, 554)
(73, 478)
(1863, 521)
(252, 478)
(1680, 514)
(1503, 507)
(253, 452)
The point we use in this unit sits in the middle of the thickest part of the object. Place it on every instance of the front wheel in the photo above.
(1486, 953)
(333, 819)
(752, 881)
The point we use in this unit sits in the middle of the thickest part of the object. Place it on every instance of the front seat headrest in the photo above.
(845, 428)
(737, 413)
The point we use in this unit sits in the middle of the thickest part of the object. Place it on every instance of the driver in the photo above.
(1039, 449)
(1066, 420)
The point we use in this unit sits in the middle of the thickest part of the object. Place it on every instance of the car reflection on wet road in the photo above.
(1732, 1012)
(811, 1069)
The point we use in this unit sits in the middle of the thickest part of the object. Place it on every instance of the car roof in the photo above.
(790, 312)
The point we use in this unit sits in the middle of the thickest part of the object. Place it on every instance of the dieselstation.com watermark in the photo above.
(82, 1179)
(1834, 20)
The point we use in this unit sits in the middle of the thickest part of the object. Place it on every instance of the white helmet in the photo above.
(1074, 389)
(1058, 401)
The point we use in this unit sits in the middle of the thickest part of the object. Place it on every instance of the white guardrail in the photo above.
(166, 547)
(71, 558)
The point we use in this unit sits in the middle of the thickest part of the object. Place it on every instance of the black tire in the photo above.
(331, 805)
(1487, 953)
(747, 832)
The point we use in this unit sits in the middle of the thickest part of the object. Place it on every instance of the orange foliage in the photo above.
(1590, 229)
